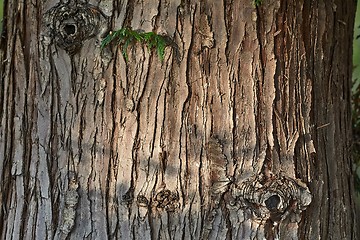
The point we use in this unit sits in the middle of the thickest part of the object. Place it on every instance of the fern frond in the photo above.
(126, 36)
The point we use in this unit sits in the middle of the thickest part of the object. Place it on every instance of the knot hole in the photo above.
(272, 202)
(70, 28)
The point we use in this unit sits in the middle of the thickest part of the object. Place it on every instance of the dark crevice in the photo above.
(202, 190)
(113, 162)
(279, 52)
(52, 140)
(129, 13)
(260, 36)
(259, 80)
(235, 126)
(267, 165)
(228, 15)
(157, 17)
(7, 114)
(73, 78)
(25, 39)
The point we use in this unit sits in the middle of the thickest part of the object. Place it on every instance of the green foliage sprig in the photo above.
(258, 2)
(126, 36)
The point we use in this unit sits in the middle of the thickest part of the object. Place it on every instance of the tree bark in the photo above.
(242, 131)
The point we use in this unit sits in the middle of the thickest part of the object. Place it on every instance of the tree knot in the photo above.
(274, 199)
(71, 23)
(167, 200)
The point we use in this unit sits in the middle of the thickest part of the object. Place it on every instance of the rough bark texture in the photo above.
(242, 132)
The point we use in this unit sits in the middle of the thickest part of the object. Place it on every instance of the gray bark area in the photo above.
(242, 132)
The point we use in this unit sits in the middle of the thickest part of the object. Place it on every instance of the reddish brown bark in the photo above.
(242, 132)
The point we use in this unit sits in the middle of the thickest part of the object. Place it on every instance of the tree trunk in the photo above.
(242, 131)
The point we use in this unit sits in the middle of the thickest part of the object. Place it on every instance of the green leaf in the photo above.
(126, 36)
(161, 44)
(124, 49)
(137, 36)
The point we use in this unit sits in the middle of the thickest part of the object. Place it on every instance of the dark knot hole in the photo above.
(272, 202)
(70, 29)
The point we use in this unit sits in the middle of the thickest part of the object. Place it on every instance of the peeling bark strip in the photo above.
(246, 137)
